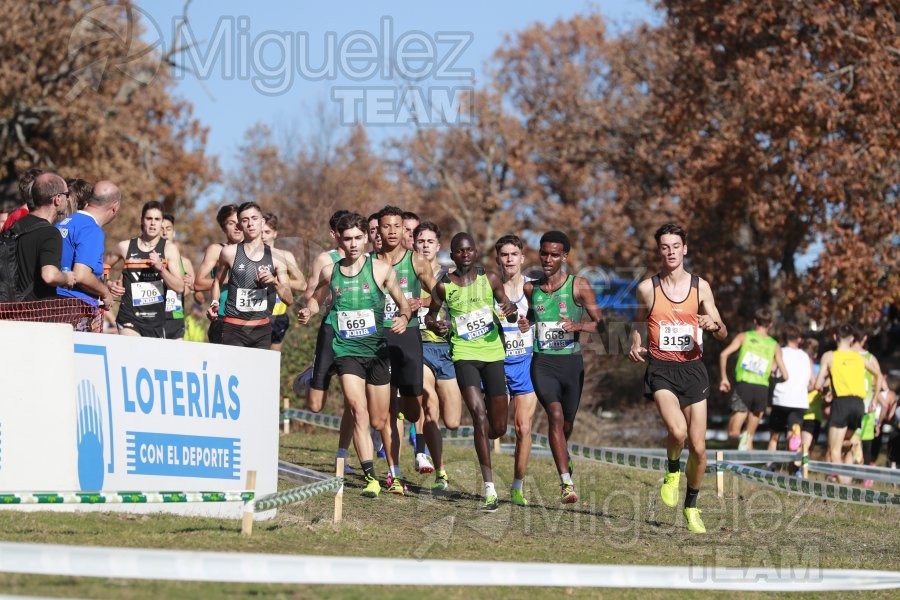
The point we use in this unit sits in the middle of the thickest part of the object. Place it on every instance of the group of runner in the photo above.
(409, 337)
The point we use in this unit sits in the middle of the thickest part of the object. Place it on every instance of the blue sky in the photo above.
(278, 62)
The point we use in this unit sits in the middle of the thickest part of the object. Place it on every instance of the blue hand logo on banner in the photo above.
(90, 438)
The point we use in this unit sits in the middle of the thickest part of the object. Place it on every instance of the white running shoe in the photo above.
(423, 464)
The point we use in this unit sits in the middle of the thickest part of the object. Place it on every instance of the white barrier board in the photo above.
(147, 415)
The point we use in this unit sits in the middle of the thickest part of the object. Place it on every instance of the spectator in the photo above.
(26, 180)
(84, 242)
(79, 193)
(39, 246)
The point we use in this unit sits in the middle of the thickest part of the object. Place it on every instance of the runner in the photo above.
(790, 399)
(676, 378)
(815, 415)
(847, 369)
(152, 266)
(442, 398)
(374, 234)
(227, 219)
(175, 319)
(254, 277)
(510, 257)
(410, 221)
(476, 347)
(757, 353)
(557, 302)
(868, 434)
(357, 284)
(280, 320)
(413, 274)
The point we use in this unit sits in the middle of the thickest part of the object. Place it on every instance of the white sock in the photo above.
(518, 484)
(342, 452)
(395, 471)
(566, 478)
(489, 489)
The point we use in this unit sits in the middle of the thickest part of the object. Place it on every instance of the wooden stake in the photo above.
(339, 495)
(247, 518)
(720, 475)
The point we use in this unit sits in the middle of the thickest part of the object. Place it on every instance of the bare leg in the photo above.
(525, 405)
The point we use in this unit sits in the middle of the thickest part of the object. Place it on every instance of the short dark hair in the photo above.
(791, 331)
(859, 332)
(509, 239)
(390, 211)
(410, 215)
(845, 331)
(335, 217)
(671, 229)
(80, 191)
(374, 216)
(167, 216)
(247, 206)
(26, 180)
(427, 226)
(224, 212)
(762, 316)
(556, 237)
(271, 219)
(462, 235)
(45, 187)
(151, 205)
(351, 220)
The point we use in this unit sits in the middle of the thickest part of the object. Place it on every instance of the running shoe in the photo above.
(517, 497)
(694, 523)
(423, 464)
(669, 490)
(491, 503)
(567, 494)
(744, 441)
(396, 486)
(372, 489)
(441, 483)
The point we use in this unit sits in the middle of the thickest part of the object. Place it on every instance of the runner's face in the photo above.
(251, 223)
(464, 253)
(268, 235)
(552, 257)
(409, 225)
(391, 229)
(353, 241)
(151, 223)
(167, 230)
(672, 250)
(374, 235)
(232, 230)
(427, 244)
(510, 259)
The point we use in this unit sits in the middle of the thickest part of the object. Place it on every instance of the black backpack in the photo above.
(9, 263)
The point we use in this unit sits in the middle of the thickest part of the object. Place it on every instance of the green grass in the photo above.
(617, 521)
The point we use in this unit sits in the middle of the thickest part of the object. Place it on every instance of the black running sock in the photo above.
(674, 465)
(368, 468)
(690, 500)
(420, 443)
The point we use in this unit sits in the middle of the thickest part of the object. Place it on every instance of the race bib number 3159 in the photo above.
(676, 338)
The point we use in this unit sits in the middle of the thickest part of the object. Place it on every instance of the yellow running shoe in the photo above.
(372, 489)
(669, 490)
(517, 497)
(694, 524)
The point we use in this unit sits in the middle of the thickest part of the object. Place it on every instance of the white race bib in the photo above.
(754, 363)
(145, 293)
(518, 343)
(356, 323)
(251, 299)
(172, 301)
(475, 324)
(551, 336)
(390, 307)
(676, 338)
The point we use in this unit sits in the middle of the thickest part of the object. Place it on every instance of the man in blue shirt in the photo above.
(84, 242)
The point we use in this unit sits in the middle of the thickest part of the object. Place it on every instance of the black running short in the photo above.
(280, 324)
(406, 360)
(689, 381)
(782, 418)
(174, 329)
(147, 330)
(247, 336)
(846, 411)
(749, 397)
(558, 378)
(214, 333)
(375, 370)
(489, 376)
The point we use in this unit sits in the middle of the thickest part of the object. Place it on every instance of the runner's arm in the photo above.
(645, 300)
